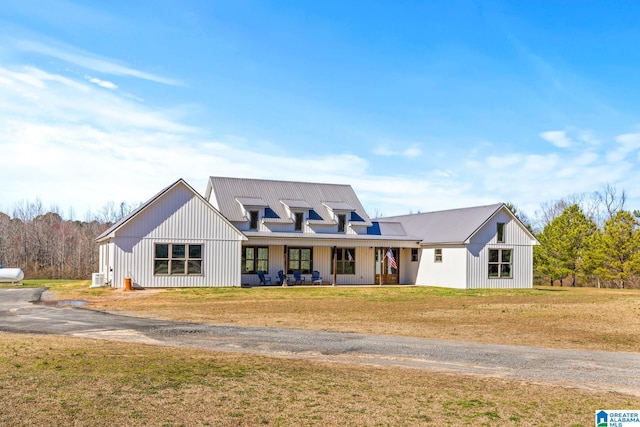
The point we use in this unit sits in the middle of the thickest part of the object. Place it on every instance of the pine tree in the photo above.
(614, 253)
(562, 244)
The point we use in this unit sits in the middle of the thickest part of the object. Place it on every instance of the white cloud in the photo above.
(102, 83)
(558, 138)
(87, 60)
(627, 143)
(73, 144)
(390, 149)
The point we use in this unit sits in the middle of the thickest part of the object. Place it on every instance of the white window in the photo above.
(437, 255)
(500, 263)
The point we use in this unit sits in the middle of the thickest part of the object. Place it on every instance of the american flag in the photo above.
(392, 260)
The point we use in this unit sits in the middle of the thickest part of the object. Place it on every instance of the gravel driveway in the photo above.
(21, 311)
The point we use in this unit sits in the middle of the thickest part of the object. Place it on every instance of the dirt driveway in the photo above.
(22, 311)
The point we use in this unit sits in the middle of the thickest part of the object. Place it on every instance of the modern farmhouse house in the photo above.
(250, 231)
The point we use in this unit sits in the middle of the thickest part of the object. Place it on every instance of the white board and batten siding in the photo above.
(449, 273)
(178, 217)
(516, 239)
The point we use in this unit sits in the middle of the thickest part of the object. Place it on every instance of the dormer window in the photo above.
(298, 218)
(342, 220)
(253, 219)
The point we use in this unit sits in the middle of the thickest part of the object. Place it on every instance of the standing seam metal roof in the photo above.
(453, 226)
(227, 190)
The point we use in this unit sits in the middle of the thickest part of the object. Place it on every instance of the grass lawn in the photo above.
(554, 317)
(68, 381)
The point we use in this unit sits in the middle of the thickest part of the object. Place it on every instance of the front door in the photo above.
(386, 271)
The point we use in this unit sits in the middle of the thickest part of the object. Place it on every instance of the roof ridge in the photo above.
(496, 205)
(278, 180)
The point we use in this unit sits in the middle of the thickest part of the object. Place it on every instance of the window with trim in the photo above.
(170, 259)
(414, 255)
(500, 263)
(342, 220)
(299, 217)
(300, 259)
(255, 259)
(500, 232)
(253, 220)
(345, 260)
(437, 255)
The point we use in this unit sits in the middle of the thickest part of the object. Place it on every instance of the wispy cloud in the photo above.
(87, 60)
(626, 144)
(72, 143)
(102, 83)
(390, 149)
(558, 138)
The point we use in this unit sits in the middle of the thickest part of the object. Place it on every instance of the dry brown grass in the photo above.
(68, 381)
(48, 380)
(570, 318)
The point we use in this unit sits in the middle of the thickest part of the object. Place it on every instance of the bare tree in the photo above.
(612, 200)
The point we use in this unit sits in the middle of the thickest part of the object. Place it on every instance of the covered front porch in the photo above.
(348, 261)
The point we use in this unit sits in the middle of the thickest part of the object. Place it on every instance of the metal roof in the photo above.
(454, 226)
(110, 232)
(227, 190)
(338, 206)
(296, 204)
(409, 241)
(252, 202)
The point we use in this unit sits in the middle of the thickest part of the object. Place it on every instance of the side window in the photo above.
(437, 255)
(414, 255)
(500, 263)
(177, 259)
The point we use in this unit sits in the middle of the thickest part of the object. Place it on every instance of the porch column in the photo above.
(335, 265)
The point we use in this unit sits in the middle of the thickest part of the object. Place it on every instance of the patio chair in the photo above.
(297, 278)
(282, 277)
(263, 279)
(315, 277)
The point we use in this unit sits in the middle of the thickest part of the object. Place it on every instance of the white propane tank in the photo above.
(11, 275)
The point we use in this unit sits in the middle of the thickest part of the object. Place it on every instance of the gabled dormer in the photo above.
(298, 211)
(340, 213)
(253, 212)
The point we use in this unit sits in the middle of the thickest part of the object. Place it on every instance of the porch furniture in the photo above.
(282, 277)
(263, 279)
(297, 278)
(315, 277)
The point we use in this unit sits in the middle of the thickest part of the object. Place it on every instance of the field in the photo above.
(67, 381)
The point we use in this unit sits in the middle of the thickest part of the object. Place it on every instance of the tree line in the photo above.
(588, 240)
(46, 246)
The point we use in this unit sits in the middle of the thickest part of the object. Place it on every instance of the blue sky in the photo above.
(419, 105)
